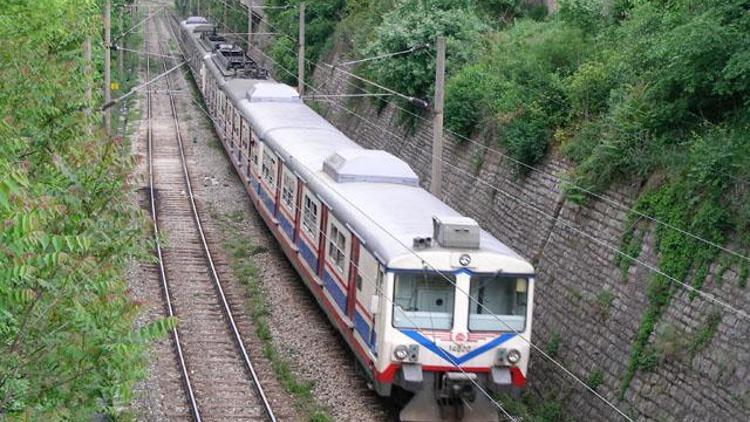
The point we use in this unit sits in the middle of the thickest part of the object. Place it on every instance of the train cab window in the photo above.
(337, 248)
(268, 167)
(498, 303)
(288, 188)
(310, 217)
(423, 300)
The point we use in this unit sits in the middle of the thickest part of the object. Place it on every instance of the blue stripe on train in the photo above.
(450, 357)
(286, 225)
(333, 288)
(363, 328)
(308, 255)
(266, 199)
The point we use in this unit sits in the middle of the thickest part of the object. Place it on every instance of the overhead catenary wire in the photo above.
(383, 56)
(406, 247)
(136, 26)
(569, 182)
(116, 47)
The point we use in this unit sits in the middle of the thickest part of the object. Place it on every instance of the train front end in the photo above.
(459, 324)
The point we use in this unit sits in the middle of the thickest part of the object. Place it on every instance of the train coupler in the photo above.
(450, 396)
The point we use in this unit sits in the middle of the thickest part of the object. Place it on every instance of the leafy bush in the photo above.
(521, 83)
(285, 66)
(412, 24)
(468, 97)
(67, 341)
(321, 17)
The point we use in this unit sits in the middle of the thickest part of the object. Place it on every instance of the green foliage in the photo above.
(630, 246)
(468, 99)
(595, 378)
(553, 345)
(647, 97)
(705, 333)
(603, 302)
(285, 65)
(321, 17)
(534, 409)
(68, 346)
(412, 24)
(517, 87)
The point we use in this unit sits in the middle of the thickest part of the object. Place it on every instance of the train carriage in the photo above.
(429, 303)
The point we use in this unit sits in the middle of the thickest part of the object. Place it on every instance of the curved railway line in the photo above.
(219, 379)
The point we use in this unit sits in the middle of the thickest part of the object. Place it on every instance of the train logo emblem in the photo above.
(464, 259)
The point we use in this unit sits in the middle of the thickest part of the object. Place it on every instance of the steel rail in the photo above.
(194, 410)
(199, 226)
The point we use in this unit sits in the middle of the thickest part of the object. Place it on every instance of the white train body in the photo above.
(389, 263)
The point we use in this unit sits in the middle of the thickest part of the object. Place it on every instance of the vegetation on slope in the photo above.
(68, 348)
(649, 93)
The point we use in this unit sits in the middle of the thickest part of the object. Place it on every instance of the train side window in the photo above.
(220, 107)
(288, 189)
(268, 168)
(245, 134)
(337, 247)
(254, 152)
(227, 115)
(310, 216)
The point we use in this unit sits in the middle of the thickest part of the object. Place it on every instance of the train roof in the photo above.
(374, 192)
(381, 200)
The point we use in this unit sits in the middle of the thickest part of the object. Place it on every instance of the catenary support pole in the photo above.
(301, 54)
(436, 182)
(107, 64)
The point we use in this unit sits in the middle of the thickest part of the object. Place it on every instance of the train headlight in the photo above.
(401, 352)
(514, 356)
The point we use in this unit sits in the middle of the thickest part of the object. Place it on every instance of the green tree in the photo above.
(68, 347)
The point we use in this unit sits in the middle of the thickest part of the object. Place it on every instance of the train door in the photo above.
(351, 294)
(245, 148)
(287, 203)
(337, 252)
(252, 171)
(236, 127)
(366, 281)
(311, 221)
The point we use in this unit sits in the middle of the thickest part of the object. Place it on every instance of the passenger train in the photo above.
(434, 308)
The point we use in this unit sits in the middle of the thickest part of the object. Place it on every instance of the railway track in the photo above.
(218, 376)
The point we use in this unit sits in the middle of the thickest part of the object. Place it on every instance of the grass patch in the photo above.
(553, 345)
(241, 252)
(595, 378)
(534, 409)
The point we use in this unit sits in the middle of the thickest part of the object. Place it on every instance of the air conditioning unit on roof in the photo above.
(456, 232)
